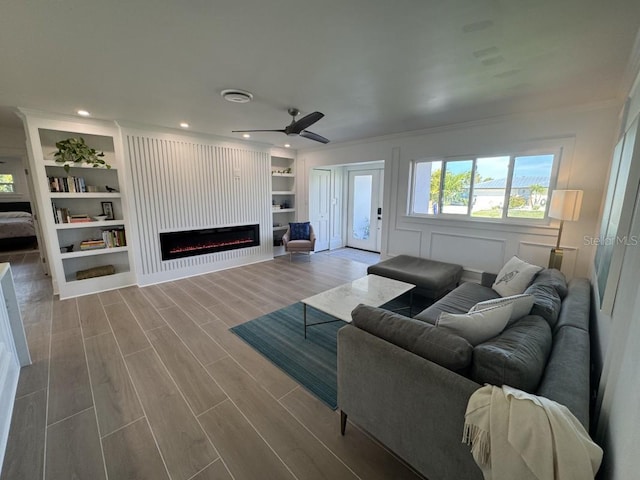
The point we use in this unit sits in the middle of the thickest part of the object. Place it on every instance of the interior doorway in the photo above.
(364, 211)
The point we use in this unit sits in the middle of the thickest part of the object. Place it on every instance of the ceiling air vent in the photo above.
(236, 96)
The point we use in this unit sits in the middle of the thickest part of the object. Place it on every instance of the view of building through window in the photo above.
(6, 183)
(515, 186)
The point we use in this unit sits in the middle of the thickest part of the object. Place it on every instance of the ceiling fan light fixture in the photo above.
(236, 96)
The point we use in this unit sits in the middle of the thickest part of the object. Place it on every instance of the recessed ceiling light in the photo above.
(184, 124)
(287, 145)
(83, 113)
(236, 96)
(246, 135)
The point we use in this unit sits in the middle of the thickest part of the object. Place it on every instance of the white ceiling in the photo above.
(371, 66)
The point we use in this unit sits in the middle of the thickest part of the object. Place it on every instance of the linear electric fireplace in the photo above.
(199, 242)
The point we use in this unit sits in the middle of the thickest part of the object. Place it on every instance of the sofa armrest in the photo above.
(285, 237)
(412, 405)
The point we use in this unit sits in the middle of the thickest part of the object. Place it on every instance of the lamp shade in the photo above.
(565, 204)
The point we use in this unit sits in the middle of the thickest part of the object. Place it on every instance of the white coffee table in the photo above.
(338, 302)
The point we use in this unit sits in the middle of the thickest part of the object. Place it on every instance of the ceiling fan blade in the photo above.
(306, 121)
(314, 136)
(245, 131)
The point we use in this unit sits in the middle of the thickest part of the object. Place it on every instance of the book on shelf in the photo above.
(92, 244)
(67, 184)
(79, 218)
(114, 237)
(60, 215)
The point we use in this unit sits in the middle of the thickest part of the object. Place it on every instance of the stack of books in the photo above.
(82, 217)
(92, 244)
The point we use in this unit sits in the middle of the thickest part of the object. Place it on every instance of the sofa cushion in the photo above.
(546, 302)
(300, 231)
(514, 277)
(439, 346)
(521, 305)
(459, 300)
(553, 277)
(477, 327)
(517, 357)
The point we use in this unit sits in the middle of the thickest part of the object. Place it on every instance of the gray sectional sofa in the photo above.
(407, 382)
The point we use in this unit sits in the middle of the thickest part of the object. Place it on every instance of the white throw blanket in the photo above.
(516, 435)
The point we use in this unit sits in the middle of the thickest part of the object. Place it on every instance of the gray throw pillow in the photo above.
(546, 302)
(425, 340)
(517, 357)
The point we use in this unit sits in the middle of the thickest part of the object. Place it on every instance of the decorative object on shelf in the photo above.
(110, 189)
(95, 272)
(107, 209)
(565, 205)
(75, 150)
(67, 248)
(100, 218)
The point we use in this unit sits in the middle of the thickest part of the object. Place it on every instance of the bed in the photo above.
(16, 226)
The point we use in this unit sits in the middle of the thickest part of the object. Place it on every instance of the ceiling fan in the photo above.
(297, 127)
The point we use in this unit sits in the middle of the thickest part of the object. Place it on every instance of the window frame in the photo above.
(504, 219)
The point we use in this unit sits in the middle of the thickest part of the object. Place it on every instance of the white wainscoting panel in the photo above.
(180, 184)
(469, 250)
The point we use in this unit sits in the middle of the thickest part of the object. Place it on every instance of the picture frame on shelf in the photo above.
(107, 209)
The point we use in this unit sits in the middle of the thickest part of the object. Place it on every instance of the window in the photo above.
(497, 187)
(6, 183)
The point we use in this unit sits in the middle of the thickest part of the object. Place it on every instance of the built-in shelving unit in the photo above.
(283, 198)
(74, 239)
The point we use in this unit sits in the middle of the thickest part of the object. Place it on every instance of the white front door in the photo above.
(365, 209)
(319, 206)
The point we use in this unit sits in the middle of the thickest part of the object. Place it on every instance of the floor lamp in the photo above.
(565, 205)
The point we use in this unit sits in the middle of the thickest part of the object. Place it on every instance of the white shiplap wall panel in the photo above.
(182, 184)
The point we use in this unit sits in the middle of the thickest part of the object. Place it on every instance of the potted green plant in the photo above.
(75, 150)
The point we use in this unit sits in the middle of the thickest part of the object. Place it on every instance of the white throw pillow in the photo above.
(477, 327)
(522, 305)
(514, 277)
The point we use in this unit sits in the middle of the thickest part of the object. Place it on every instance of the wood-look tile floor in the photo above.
(148, 383)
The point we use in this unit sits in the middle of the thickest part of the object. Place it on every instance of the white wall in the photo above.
(185, 182)
(13, 153)
(619, 393)
(586, 136)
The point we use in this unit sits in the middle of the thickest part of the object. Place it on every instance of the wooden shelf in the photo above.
(284, 210)
(94, 224)
(282, 227)
(90, 253)
(282, 192)
(283, 175)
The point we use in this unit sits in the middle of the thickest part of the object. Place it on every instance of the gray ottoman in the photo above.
(432, 278)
